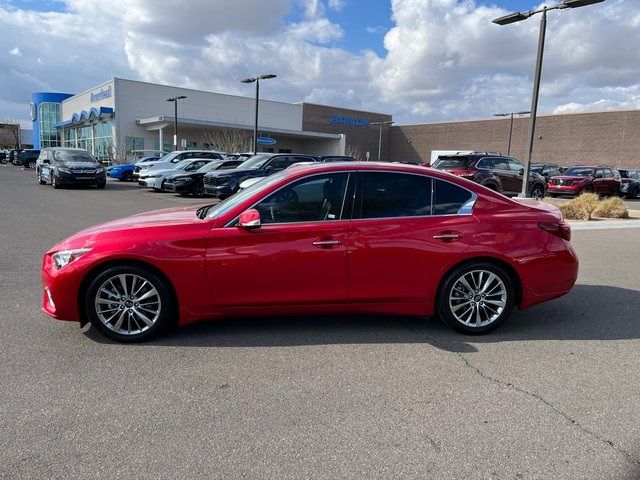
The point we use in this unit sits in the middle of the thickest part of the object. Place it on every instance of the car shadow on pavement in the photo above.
(588, 312)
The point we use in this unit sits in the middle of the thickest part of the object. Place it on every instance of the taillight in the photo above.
(463, 173)
(560, 229)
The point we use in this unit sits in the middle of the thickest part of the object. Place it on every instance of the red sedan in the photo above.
(320, 239)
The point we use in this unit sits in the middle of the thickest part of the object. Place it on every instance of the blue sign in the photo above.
(101, 95)
(266, 141)
(352, 122)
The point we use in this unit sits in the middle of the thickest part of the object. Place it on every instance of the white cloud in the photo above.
(377, 29)
(444, 58)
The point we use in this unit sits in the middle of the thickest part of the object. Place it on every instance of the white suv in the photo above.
(177, 156)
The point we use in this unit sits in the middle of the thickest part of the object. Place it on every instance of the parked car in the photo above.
(547, 170)
(124, 171)
(155, 176)
(3, 158)
(421, 242)
(223, 184)
(497, 172)
(630, 183)
(69, 166)
(586, 179)
(335, 158)
(175, 157)
(13, 156)
(192, 183)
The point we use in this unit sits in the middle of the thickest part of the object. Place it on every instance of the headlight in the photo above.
(65, 257)
(64, 169)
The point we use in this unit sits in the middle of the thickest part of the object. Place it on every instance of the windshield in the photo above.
(168, 157)
(450, 162)
(223, 207)
(256, 161)
(623, 173)
(181, 165)
(579, 172)
(537, 168)
(208, 166)
(73, 156)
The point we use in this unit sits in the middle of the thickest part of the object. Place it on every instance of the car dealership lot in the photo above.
(551, 394)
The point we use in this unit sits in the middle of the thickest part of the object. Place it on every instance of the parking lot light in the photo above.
(517, 17)
(256, 80)
(175, 119)
(382, 124)
(510, 114)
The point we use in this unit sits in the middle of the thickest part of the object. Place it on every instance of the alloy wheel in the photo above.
(537, 193)
(478, 298)
(128, 304)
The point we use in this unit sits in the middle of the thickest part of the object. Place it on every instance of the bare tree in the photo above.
(9, 133)
(356, 152)
(228, 140)
(119, 153)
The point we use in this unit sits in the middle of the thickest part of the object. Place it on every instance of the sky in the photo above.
(420, 60)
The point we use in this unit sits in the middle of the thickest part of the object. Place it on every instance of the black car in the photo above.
(335, 158)
(547, 170)
(630, 183)
(27, 158)
(13, 156)
(493, 170)
(223, 184)
(69, 166)
(191, 183)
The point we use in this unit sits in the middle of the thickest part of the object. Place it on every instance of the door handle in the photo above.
(327, 243)
(448, 237)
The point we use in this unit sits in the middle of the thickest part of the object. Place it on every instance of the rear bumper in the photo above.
(549, 277)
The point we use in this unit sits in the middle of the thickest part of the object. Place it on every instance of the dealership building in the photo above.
(123, 115)
(131, 115)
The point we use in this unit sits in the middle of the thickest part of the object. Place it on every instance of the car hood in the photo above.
(236, 173)
(79, 165)
(123, 228)
(571, 177)
(160, 171)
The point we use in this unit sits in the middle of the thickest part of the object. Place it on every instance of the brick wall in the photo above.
(611, 138)
(317, 118)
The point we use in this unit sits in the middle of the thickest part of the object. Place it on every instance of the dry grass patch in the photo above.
(612, 207)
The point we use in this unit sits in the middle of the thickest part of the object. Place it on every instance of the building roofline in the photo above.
(344, 108)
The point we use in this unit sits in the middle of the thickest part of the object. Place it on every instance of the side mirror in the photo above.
(521, 171)
(250, 219)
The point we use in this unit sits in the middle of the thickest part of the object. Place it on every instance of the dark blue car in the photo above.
(124, 172)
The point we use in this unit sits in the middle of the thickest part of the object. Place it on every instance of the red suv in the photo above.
(577, 180)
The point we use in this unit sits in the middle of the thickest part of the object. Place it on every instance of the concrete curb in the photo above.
(605, 225)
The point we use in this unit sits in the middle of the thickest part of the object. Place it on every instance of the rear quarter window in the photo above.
(448, 198)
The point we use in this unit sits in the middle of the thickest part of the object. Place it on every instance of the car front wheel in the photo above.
(476, 298)
(40, 180)
(537, 192)
(31, 164)
(55, 183)
(129, 303)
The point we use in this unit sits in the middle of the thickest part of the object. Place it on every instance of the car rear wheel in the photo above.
(476, 298)
(129, 303)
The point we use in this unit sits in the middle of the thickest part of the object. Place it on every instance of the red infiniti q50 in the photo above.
(317, 239)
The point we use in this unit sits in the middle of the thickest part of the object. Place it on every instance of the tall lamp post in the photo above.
(175, 120)
(382, 124)
(517, 17)
(510, 114)
(257, 79)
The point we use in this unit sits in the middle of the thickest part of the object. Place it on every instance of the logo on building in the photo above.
(33, 112)
(101, 95)
(352, 122)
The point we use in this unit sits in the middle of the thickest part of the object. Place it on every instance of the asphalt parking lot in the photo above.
(553, 394)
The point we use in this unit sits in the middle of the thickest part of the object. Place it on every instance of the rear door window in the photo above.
(500, 163)
(448, 198)
(389, 195)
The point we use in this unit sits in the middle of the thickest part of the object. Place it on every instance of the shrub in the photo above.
(612, 207)
(580, 208)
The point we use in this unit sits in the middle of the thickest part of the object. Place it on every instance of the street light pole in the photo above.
(517, 17)
(511, 114)
(257, 79)
(382, 124)
(175, 120)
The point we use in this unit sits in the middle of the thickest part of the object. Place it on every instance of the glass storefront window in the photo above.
(133, 143)
(48, 116)
(97, 139)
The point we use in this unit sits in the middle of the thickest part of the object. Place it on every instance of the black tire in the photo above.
(4, 161)
(55, 183)
(127, 177)
(552, 195)
(198, 190)
(101, 184)
(588, 189)
(30, 164)
(445, 310)
(167, 303)
(40, 180)
(537, 191)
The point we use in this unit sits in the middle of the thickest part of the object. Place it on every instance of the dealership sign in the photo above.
(352, 122)
(101, 95)
(266, 141)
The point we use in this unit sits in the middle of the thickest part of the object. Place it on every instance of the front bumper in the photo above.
(219, 190)
(81, 178)
(176, 187)
(564, 189)
(60, 290)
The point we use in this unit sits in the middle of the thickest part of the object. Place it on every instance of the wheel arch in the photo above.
(511, 271)
(115, 262)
